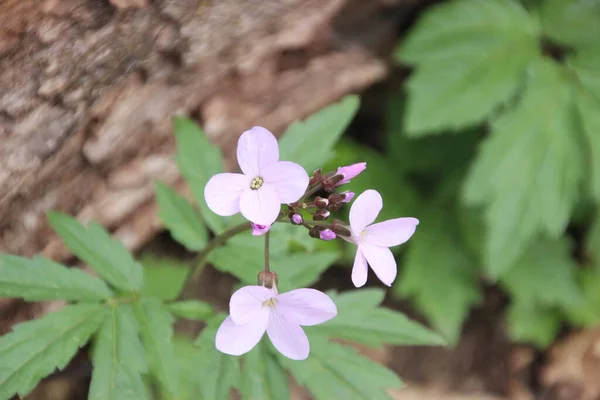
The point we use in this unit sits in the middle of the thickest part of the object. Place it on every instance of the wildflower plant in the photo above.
(275, 228)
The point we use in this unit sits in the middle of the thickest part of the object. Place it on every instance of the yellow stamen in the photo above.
(256, 183)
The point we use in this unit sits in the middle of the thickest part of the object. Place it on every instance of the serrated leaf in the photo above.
(156, 331)
(107, 256)
(262, 377)
(118, 358)
(214, 372)
(442, 283)
(530, 168)
(34, 349)
(571, 22)
(180, 217)
(589, 111)
(550, 259)
(333, 371)
(587, 313)
(39, 279)
(586, 65)
(310, 142)
(198, 160)
(361, 320)
(533, 325)
(470, 58)
(163, 278)
(191, 309)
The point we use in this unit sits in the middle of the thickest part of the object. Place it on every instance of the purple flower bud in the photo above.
(321, 202)
(349, 196)
(258, 230)
(296, 219)
(321, 215)
(327, 234)
(349, 172)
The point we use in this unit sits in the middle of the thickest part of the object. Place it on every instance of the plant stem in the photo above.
(200, 260)
(267, 262)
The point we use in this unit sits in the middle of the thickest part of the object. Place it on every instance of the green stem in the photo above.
(267, 263)
(200, 260)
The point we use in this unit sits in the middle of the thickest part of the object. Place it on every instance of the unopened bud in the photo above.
(315, 232)
(340, 228)
(327, 234)
(321, 202)
(315, 178)
(267, 279)
(296, 218)
(321, 215)
(344, 174)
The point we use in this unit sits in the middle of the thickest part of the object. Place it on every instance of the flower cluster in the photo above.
(258, 193)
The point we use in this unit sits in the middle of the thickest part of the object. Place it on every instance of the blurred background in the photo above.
(479, 117)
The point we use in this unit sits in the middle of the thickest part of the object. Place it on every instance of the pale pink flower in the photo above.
(256, 309)
(374, 240)
(350, 171)
(259, 230)
(264, 184)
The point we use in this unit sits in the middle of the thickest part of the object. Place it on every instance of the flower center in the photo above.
(256, 183)
(270, 303)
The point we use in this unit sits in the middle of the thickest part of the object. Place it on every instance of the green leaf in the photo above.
(310, 142)
(163, 278)
(571, 22)
(333, 371)
(263, 378)
(36, 348)
(587, 313)
(586, 65)
(214, 372)
(198, 160)
(589, 111)
(550, 259)
(180, 217)
(529, 170)
(440, 273)
(470, 58)
(107, 256)
(301, 269)
(361, 320)
(535, 325)
(191, 309)
(157, 333)
(118, 359)
(41, 279)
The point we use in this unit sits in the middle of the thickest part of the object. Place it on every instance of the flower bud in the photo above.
(321, 215)
(327, 234)
(321, 202)
(296, 218)
(348, 172)
(315, 232)
(267, 279)
(341, 229)
(315, 178)
(343, 197)
(259, 230)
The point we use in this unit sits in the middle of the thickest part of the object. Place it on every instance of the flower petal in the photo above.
(289, 179)
(381, 261)
(364, 210)
(305, 307)
(239, 339)
(259, 230)
(223, 191)
(256, 148)
(247, 302)
(359, 269)
(260, 206)
(392, 232)
(287, 337)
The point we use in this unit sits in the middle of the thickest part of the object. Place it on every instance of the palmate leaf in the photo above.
(191, 309)
(571, 22)
(333, 371)
(163, 278)
(589, 112)
(39, 279)
(470, 58)
(156, 331)
(180, 217)
(262, 376)
(36, 348)
(118, 358)
(310, 142)
(107, 256)
(198, 160)
(361, 320)
(214, 372)
(537, 325)
(530, 168)
(439, 272)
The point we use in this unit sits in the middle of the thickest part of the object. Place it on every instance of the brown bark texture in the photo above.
(88, 89)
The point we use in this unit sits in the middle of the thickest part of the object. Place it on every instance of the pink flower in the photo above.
(256, 309)
(350, 171)
(348, 196)
(374, 240)
(259, 230)
(264, 184)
